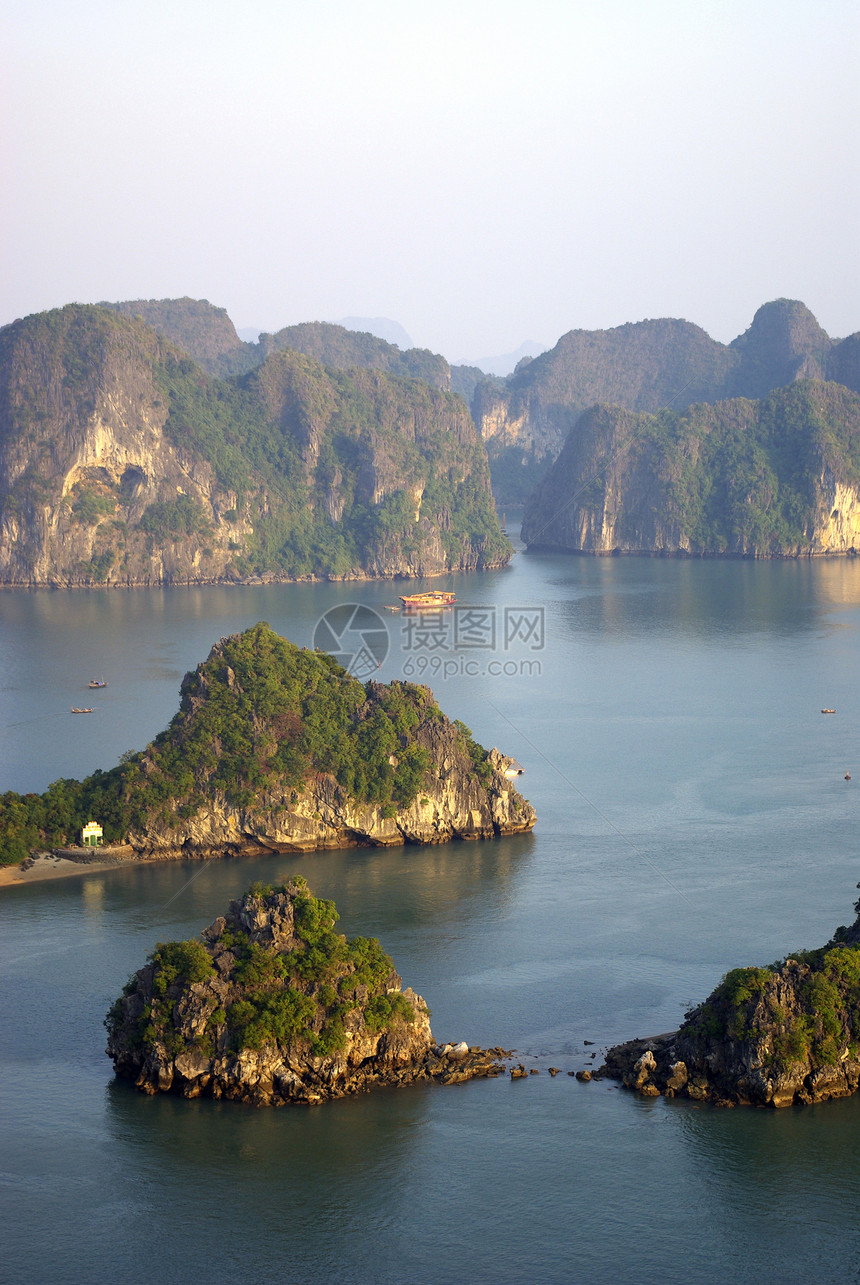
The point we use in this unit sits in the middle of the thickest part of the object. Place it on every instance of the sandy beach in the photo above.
(51, 867)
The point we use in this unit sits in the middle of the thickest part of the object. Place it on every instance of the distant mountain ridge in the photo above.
(645, 366)
(123, 462)
(382, 327)
(342, 348)
(504, 364)
(207, 334)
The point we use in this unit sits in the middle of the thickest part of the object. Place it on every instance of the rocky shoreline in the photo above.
(656, 1067)
(471, 566)
(270, 1007)
(273, 1007)
(452, 804)
(784, 1035)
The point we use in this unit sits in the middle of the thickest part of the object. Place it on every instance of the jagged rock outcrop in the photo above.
(274, 1007)
(646, 367)
(85, 461)
(123, 463)
(775, 478)
(776, 1036)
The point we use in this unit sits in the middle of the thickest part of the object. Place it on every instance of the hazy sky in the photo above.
(484, 173)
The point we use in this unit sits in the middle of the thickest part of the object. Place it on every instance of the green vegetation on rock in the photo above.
(259, 712)
(741, 477)
(290, 470)
(343, 349)
(299, 984)
(805, 1008)
(648, 366)
(203, 331)
(778, 1036)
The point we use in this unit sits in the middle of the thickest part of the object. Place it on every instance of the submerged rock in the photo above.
(272, 1006)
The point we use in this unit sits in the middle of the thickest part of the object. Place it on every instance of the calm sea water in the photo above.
(692, 817)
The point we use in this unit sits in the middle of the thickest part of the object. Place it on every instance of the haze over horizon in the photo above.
(483, 174)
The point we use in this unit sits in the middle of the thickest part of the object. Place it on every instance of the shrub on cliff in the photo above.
(785, 1034)
(261, 709)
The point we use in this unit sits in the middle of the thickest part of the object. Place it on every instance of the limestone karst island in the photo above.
(273, 1006)
(145, 443)
(126, 459)
(784, 1035)
(277, 749)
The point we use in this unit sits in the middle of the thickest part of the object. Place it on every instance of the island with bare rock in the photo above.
(275, 748)
(777, 1036)
(272, 1006)
(124, 462)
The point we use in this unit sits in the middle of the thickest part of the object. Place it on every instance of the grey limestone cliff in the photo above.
(779, 477)
(648, 366)
(123, 463)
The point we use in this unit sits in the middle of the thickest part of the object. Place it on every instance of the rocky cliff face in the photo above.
(638, 366)
(759, 1060)
(196, 326)
(122, 463)
(774, 478)
(84, 454)
(648, 366)
(274, 1007)
(452, 803)
(783, 343)
(276, 748)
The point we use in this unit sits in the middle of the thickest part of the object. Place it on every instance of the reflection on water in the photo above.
(762, 1166)
(701, 598)
(692, 817)
(143, 641)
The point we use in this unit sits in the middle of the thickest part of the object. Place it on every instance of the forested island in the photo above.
(124, 462)
(276, 748)
(777, 477)
(776, 1036)
(145, 443)
(273, 1006)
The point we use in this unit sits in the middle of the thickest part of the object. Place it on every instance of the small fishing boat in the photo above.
(97, 682)
(431, 601)
(87, 709)
(828, 711)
